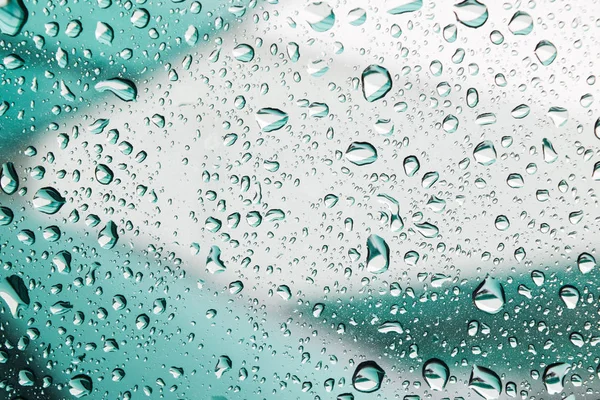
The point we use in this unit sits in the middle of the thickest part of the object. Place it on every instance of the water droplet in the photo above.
(376, 82)
(485, 382)
(15, 294)
(489, 296)
(214, 265)
(9, 181)
(520, 111)
(471, 13)
(224, 364)
(48, 201)
(243, 53)
(570, 296)
(548, 151)
(13, 16)
(140, 18)
(436, 374)
(554, 377)
(104, 174)
(428, 230)
(104, 33)
(108, 236)
(271, 119)
(558, 115)
(367, 377)
(80, 385)
(450, 124)
(521, 23)
(62, 261)
(6, 216)
(357, 16)
(320, 16)
(361, 153)
(378, 254)
(586, 263)
(485, 153)
(122, 88)
(502, 222)
(545, 52)
(397, 7)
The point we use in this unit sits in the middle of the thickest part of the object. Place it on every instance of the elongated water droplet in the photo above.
(9, 180)
(224, 364)
(367, 377)
(48, 201)
(489, 296)
(485, 382)
(361, 153)
(428, 230)
(397, 7)
(472, 97)
(376, 82)
(271, 119)
(378, 254)
(520, 111)
(104, 33)
(214, 264)
(62, 261)
(471, 13)
(15, 294)
(436, 374)
(122, 88)
(548, 151)
(108, 236)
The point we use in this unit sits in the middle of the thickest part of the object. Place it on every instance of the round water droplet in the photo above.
(320, 16)
(489, 296)
(80, 386)
(586, 263)
(521, 23)
(554, 377)
(471, 13)
(450, 124)
(243, 53)
(545, 52)
(569, 295)
(376, 82)
(436, 374)
(104, 174)
(357, 16)
(502, 223)
(485, 153)
(367, 377)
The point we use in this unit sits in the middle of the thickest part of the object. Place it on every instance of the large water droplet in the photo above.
(104, 174)
(548, 151)
(361, 153)
(545, 51)
(436, 374)
(471, 13)
(9, 180)
(243, 53)
(13, 16)
(378, 254)
(214, 265)
(521, 23)
(367, 377)
(586, 263)
(108, 236)
(554, 377)
(570, 296)
(271, 119)
(122, 88)
(15, 294)
(48, 200)
(489, 296)
(6, 216)
(224, 364)
(376, 82)
(485, 153)
(80, 385)
(320, 16)
(485, 382)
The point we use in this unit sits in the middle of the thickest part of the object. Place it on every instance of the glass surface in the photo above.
(299, 200)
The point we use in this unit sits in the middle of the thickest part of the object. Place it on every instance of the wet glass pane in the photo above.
(299, 199)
